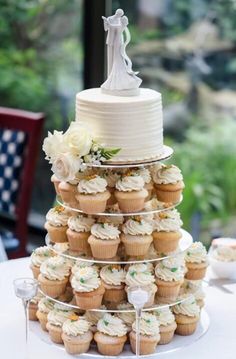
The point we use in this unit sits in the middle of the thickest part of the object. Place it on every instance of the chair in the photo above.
(20, 133)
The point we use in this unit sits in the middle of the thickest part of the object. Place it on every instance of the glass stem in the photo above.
(137, 319)
(26, 305)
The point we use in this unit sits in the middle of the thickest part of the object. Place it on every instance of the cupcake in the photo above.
(53, 278)
(56, 183)
(140, 275)
(148, 183)
(127, 317)
(111, 335)
(68, 191)
(88, 288)
(113, 280)
(167, 324)
(168, 183)
(130, 192)
(55, 319)
(93, 194)
(45, 305)
(149, 334)
(196, 261)
(194, 287)
(38, 256)
(76, 335)
(93, 318)
(166, 230)
(169, 277)
(104, 240)
(111, 177)
(78, 233)
(186, 315)
(136, 236)
(56, 224)
(33, 307)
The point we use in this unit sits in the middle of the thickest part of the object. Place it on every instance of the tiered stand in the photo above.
(178, 342)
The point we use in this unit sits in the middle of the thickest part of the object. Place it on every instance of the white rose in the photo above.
(53, 144)
(66, 167)
(78, 139)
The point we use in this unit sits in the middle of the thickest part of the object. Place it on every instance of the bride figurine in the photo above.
(122, 80)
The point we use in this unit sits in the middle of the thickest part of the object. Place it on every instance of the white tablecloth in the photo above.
(218, 343)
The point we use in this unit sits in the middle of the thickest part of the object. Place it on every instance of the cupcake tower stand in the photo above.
(185, 242)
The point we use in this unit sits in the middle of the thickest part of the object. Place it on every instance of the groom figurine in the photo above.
(109, 25)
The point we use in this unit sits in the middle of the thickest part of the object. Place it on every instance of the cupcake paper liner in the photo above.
(93, 203)
(136, 245)
(168, 290)
(167, 333)
(185, 325)
(78, 241)
(103, 249)
(90, 300)
(55, 333)
(196, 271)
(52, 288)
(35, 271)
(108, 345)
(147, 344)
(166, 242)
(77, 345)
(56, 234)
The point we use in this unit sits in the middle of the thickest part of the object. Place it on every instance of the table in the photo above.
(219, 342)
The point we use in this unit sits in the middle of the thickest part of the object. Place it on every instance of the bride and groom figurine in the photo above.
(121, 80)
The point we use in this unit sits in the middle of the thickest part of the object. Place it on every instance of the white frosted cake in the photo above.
(132, 123)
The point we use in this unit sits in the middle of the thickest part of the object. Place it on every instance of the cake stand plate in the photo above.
(178, 342)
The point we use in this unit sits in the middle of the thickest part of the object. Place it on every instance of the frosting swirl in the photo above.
(137, 226)
(133, 182)
(92, 185)
(139, 274)
(145, 174)
(105, 231)
(75, 326)
(112, 326)
(61, 247)
(149, 325)
(55, 268)
(40, 255)
(167, 221)
(85, 280)
(112, 274)
(80, 223)
(196, 253)
(58, 316)
(224, 254)
(45, 305)
(57, 217)
(163, 174)
(164, 316)
(188, 307)
(170, 269)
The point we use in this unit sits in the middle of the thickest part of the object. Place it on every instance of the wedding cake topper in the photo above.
(121, 79)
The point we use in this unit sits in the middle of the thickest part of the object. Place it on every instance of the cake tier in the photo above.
(133, 124)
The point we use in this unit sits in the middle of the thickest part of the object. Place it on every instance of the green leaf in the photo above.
(133, 273)
(174, 269)
(108, 153)
(106, 322)
(82, 280)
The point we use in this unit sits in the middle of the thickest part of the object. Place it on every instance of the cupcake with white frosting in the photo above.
(113, 280)
(61, 247)
(187, 315)
(148, 182)
(194, 287)
(167, 324)
(168, 182)
(139, 275)
(111, 177)
(130, 192)
(38, 256)
(44, 307)
(166, 230)
(55, 319)
(76, 335)
(196, 261)
(54, 275)
(88, 288)
(149, 334)
(169, 277)
(104, 240)
(78, 233)
(127, 317)
(111, 335)
(56, 224)
(93, 194)
(136, 236)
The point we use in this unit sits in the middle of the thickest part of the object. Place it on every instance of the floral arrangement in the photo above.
(69, 152)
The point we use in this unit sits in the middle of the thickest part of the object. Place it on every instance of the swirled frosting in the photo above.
(82, 264)
(45, 305)
(105, 231)
(74, 327)
(112, 326)
(163, 174)
(57, 216)
(127, 317)
(58, 316)
(194, 287)
(111, 177)
(128, 183)
(92, 185)
(55, 268)
(224, 254)
(80, 223)
(167, 221)
(61, 247)
(170, 269)
(93, 317)
(40, 255)
(137, 226)
(164, 316)
(139, 274)
(112, 274)
(145, 174)
(149, 325)
(196, 253)
(85, 280)
(188, 307)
